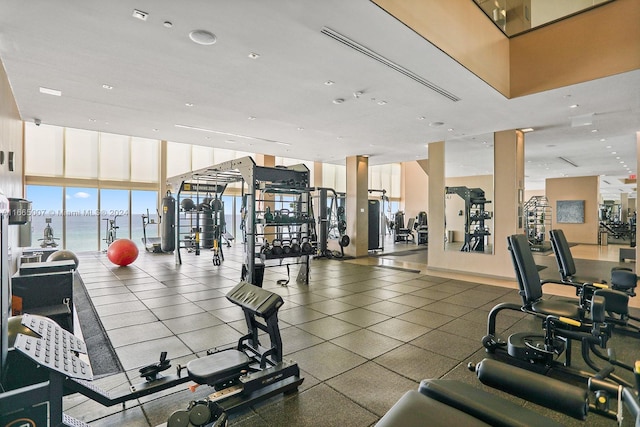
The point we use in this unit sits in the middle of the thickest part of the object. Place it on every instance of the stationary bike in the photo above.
(111, 230)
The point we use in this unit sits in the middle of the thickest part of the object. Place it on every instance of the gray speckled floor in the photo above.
(362, 335)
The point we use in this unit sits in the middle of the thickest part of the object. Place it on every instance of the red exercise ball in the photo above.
(122, 252)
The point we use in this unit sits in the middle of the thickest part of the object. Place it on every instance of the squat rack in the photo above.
(253, 179)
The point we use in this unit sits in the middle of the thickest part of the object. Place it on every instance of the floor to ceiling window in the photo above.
(81, 217)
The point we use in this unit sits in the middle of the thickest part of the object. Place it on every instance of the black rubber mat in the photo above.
(102, 355)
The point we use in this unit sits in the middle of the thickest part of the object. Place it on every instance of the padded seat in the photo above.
(217, 367)
(557, 308)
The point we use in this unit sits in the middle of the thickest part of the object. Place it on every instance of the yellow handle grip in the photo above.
(601, 285)
(569, 321)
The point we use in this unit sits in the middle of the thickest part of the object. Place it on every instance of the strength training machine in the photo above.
(451, 402)
(239, 376)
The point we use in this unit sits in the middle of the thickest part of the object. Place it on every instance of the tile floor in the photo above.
(362, 333)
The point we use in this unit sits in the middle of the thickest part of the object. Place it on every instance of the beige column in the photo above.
(624, 206)
(357, 206)
(507, 208)
(265, 160)
(637, 168)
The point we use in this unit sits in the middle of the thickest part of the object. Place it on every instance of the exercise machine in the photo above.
(537, 214)
(400, 232)
(151, 244)
(447, 402)
(111, 229)
(476, 230)
(48, 240)
(239, 376)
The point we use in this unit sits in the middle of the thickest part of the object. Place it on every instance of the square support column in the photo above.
(357, 206)
(507, 207)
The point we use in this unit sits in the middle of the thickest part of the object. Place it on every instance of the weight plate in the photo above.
(199, 414)
(178, 419)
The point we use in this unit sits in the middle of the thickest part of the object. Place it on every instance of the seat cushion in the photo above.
(218, 367)
(558, 308)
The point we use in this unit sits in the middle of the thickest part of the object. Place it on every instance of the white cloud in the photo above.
(82, 195)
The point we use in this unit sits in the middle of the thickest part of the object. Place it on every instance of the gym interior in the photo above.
(212, 272)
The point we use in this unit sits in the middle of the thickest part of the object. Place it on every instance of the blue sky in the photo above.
(86, 199)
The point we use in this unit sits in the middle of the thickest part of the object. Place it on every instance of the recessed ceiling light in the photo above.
(300, 128)
(574, 106)
(436, 124)
(614, 152)
(617, 157)
(202, 37)
(167, 24)
(251, 118)
(450, 129)
(338, 100)
(107, 87)
(328, 82)
(230, 141)
(622, 161)
(155, 129)
(188, 104)
(254, 55)
(92, 120)
(421, 118)
(594, 130)
(48, 91)
(138, 14)
(608, 146)
(382, 102)
(603, 139)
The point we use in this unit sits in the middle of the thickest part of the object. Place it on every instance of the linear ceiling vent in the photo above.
(381, 59)
(568, 161)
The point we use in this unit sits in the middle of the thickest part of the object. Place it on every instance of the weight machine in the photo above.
(476, 232)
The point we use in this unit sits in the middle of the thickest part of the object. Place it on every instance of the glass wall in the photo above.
(46, 206)
(114, 216)
(81, 216)
(144, 203)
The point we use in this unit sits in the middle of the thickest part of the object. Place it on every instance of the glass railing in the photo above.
(514, 17)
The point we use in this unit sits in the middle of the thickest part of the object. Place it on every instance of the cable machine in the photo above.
(276, 204)
(476, 232)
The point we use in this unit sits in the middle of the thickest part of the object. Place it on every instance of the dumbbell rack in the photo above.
(56, 350)
(284, 223)
(254, 182)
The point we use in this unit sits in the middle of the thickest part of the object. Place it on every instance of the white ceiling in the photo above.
(77, 47)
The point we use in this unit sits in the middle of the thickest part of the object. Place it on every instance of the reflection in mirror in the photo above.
(469, 194)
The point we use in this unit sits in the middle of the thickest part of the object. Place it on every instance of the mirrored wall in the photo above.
(469, 191)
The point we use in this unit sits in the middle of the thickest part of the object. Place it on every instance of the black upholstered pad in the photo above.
(259, 301)
(488, 408)
(217, 366)
(558, 308)
(417, 410)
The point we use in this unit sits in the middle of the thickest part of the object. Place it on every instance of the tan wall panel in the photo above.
(416, 189)
(461, 29)
(585, 188)
(594, 44)
(11, 141)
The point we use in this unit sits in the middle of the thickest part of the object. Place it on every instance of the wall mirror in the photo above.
(469, 194)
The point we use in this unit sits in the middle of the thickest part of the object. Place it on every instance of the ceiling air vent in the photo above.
(568, 161)
(381, 59)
